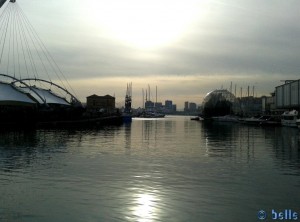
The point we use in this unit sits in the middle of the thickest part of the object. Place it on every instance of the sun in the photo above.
(143, 24)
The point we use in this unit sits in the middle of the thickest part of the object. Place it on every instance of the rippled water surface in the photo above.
(170, 169)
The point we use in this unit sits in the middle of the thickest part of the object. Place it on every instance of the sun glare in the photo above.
(144, 24)
(145, 208)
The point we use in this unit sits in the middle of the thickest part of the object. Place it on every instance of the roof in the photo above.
(49, 97)
(96, 96)
(11, 96)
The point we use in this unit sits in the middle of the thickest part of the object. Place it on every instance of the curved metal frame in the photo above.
(51, 83)
(18, 80)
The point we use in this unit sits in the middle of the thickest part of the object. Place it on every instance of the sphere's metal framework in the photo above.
(220, 102)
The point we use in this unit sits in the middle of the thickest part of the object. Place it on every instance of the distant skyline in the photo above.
(186, 48)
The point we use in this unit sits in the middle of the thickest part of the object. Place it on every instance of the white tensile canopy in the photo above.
(48, 96)
(9, 95)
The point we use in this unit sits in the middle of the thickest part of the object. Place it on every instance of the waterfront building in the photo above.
(287, 96)
(192, 107)
(186, 106)
(149, 105)
(158, 105)
(168, 104)
(169, 107)
(174, 107)
(268, 104)
(251, 106)
(97, 103)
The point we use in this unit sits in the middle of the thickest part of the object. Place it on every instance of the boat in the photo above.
(226, 118)
(127, 113)
(261, 120)
(271, 121)
(289, 118)
(298, 123)
(150, 114)
(150, 110)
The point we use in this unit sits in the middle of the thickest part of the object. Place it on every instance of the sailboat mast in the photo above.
(156, 95)
(149, 93)
(143, 105)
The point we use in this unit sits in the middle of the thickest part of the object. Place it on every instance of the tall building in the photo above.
(186, 106)
(168, 104)
(158, 105)
(192, 107)
(174, 107)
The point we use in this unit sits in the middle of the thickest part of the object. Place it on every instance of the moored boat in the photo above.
(255, 120)
(289, 118)
(148, 114)
(298, 123)
(226, 118)
(195, 118)
(271, 121)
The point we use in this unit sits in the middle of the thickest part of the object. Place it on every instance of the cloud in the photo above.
(248, 42)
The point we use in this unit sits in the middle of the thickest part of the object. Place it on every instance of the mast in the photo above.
(146, 95)
(143, 98)
(241, 92)
(235, 90)
(156, 95)
(149, 92)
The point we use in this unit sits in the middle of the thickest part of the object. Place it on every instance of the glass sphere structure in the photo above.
(220, 102)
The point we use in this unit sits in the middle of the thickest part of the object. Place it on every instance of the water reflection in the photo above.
(172, 169)
(144, 208)
(286, 147)
(220, 138)
(253, 142)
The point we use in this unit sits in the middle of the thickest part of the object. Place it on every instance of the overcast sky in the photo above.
(186, 48)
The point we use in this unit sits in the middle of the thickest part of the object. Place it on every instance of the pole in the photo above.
(156, 95)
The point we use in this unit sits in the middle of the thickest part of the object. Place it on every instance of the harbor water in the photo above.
(169, 169)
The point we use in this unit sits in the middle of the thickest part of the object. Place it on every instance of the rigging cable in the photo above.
(9, 40)
(33, 39)
(48, 56)
(23, 50)
(4, 35)
(32, 63)
(22, 36)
